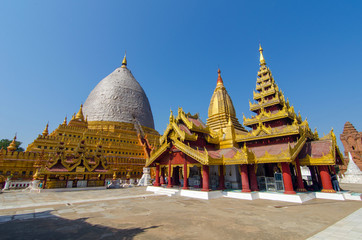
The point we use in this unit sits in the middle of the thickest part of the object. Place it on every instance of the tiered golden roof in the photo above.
(221, 108)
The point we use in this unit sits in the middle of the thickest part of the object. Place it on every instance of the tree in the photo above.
(4, 143)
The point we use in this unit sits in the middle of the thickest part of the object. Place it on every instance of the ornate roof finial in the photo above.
(262, 60)
(124, 62)
(12, 146)
(45, 132)
(65, 121)
(171, 116)
(80, 113)
(219, 79)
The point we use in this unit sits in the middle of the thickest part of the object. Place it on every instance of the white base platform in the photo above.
(275, 196)
(241, 195)
(201, 194)
(331, 196)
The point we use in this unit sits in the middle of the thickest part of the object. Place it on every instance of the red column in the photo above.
(326, 179)
(299, 177)
(205, 178)
(185, 175)
(221, 178)
(157, 182)
(253, 180)
(244, 178)
(162, 181)
(169, 185)
(287, 178)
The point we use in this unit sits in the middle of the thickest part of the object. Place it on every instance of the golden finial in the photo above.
(124, 62)
(262, 60)
(12, 146)
(80, 113)
(219, 79)
(65, 121)
(73, 117)
(171, 116)
(45, 132)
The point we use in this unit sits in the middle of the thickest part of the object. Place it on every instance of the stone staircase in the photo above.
(164, 191)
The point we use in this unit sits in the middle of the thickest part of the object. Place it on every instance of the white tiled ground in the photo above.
(349, 227)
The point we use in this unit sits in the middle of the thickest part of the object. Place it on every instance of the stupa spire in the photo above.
(124, 62)
(12, 146)
(219, 79)
(46, 132)
(65, 121)
(262, 60)
(80, 113)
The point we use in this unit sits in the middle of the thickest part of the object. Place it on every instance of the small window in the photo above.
(23, 173)
(45, 147)
(8, 173)
(50, 147)
(39, 147)
(31, 173)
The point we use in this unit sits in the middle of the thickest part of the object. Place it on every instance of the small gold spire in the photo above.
(124, 62)
(46, 132)
(65, 121)
(12, 146)
(80, 113)
(262, 60)
(171, 116)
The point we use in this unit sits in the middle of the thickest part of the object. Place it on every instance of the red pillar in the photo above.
(162, 181)
(185, 175)
(299, 177)
(169, 185)
(157, 182)
(287, 178)
(253, 180)
(326, 179)
(221, 178)
(205, 178)
(245, 178)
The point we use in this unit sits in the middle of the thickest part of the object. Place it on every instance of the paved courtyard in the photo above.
(136, 214)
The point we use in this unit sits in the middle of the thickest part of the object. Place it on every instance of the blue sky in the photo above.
(53, 53)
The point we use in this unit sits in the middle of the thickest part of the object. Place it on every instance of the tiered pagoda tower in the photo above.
(278, 143)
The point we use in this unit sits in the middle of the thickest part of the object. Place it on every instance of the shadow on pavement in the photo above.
(46, 226)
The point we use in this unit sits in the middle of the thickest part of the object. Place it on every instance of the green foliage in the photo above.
(4, 143)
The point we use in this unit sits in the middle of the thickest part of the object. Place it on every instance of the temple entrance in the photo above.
(176, 176)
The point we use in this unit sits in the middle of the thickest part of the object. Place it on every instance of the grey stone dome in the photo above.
(119, 98)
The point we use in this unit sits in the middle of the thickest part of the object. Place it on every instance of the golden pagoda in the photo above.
(110, 136)
(222, 154)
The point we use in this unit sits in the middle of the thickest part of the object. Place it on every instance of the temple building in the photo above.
(352, 142)
(109, 137)
(223, 154)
